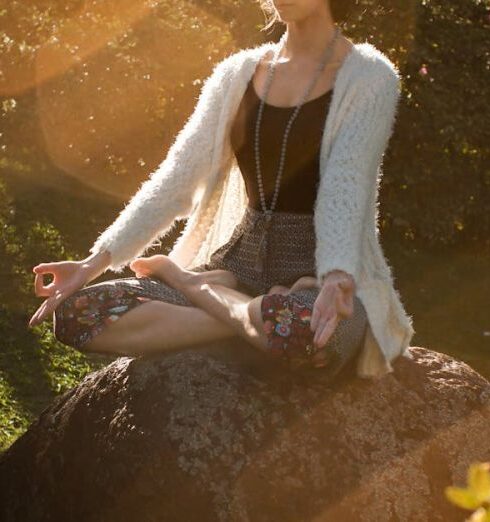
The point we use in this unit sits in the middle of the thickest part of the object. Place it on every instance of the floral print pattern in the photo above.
(89, 311)
(287, 325)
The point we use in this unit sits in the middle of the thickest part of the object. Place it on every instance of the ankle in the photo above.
(188, 279)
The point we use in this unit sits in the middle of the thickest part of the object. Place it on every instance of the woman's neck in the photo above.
(308, 38)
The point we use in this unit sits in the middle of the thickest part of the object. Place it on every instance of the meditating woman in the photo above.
(277, 171)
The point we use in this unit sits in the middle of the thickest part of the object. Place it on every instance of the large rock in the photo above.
(192, 436)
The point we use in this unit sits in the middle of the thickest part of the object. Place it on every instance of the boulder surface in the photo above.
(223, 434)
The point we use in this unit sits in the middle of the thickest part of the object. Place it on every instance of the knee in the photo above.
(62, 317)
(268, 313)
(75, 319)
(286, 323)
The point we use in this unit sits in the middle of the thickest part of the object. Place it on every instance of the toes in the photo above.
(139, 269)
(136, 263)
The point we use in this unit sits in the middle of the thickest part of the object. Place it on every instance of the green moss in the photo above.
(34, 368)
(14, 420)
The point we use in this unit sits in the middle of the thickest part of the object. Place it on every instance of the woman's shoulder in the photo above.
(236, 59)
(374, 63)
(371, 57)
(368, 64)
(227, 69)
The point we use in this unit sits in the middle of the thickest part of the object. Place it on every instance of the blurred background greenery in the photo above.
(93, 92)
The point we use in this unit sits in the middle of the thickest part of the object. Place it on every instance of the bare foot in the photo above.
(278, 289)
(163, 268)
(302, 282)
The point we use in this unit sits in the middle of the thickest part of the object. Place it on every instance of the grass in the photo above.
(34, 368)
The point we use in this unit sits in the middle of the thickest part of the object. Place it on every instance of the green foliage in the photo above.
(436, 183)
(440, 186)
(477, 493)
(437, 179)
(13, 417)
(34, 366)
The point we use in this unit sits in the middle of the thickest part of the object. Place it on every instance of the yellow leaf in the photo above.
(479, 480)
(462, 497)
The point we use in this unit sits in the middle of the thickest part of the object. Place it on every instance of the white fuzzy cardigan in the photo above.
(200, 180)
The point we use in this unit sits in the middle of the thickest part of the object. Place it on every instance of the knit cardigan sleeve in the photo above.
(173, 188)
(351, 175)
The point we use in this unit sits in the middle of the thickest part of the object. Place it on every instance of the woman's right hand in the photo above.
(68, 277)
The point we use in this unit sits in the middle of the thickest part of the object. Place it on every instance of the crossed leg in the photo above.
(156, 326)
(220, 312)
(212, 291)
(209, 292)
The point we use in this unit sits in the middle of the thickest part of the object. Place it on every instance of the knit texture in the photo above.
(200, 180)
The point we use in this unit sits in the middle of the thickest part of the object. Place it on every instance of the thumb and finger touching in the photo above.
(55, 292)
(42, 290)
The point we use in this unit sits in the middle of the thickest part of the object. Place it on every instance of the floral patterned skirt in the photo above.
(289, 255)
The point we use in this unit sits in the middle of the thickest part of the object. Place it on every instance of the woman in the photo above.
(280, 190)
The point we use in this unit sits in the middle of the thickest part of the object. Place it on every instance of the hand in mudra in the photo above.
(68, 277)
(334, 302)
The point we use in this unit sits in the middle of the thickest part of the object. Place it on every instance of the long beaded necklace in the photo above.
(266, 215)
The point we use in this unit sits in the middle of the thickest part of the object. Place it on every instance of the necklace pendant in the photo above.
(262, 243)
(267, 221)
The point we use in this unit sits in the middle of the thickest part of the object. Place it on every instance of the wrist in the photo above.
(337, 276)
(96, 264)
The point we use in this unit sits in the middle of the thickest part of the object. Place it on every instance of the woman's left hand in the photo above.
(334, 302)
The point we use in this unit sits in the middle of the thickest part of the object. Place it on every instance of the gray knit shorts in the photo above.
(290, 254)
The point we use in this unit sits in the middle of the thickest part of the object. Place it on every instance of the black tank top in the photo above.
(300, 177)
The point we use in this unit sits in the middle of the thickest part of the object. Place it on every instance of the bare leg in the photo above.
(302, 282)
(240, 311)
(163, 268)
(236, 309)
(157, 326)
